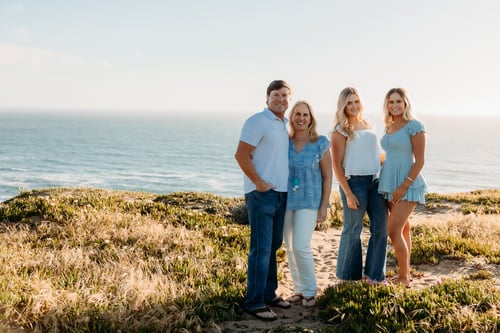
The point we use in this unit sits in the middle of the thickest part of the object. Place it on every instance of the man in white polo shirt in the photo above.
(262, 155)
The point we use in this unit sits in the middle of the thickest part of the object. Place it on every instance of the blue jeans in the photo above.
(266, 213)
(349, 262)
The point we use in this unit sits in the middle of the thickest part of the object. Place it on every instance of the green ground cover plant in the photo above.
(480, 201)
(89, 260)
(453, 306)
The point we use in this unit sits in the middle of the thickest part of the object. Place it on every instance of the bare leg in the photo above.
(400, 239)
(407, 237)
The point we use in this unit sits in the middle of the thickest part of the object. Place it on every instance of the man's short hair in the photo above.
(277, 85)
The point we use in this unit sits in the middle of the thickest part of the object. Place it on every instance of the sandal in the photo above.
(295, 298)
(309, 302)
(265, 314)
(280, 303)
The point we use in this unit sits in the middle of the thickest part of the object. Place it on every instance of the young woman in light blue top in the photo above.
(309, 186)
(400, 179)
(356, 159)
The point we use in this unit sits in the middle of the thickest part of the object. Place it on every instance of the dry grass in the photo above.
(115, 267)
(85, 260)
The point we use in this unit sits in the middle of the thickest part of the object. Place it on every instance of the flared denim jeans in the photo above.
(350, 263)
(266, 213)
(297, 234)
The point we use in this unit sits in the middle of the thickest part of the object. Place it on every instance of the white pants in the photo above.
(297, 233)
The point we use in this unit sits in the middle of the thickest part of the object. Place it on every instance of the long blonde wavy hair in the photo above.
(312, 128)
(340, 117)
(407, 113)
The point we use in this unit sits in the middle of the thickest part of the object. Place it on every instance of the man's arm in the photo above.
(244, 158)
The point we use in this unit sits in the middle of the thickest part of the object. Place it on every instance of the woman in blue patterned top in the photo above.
(309, 186)
(356, 161)
(401, 182)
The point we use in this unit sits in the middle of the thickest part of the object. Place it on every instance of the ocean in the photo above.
(193, 151)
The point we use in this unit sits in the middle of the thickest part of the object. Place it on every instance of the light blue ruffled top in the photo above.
(305, 183)
(398, 162)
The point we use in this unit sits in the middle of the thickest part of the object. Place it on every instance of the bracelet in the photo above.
(409, 179)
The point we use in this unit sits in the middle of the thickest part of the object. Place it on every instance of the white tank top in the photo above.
(362, 153)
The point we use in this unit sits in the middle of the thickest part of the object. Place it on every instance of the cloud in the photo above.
(41, 59)
(13, 8)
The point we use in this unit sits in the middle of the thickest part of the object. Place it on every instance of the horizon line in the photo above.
(62, 110)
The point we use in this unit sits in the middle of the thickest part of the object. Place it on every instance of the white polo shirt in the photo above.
(269, 135)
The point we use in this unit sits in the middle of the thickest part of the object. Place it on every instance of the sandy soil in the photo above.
(325, 247)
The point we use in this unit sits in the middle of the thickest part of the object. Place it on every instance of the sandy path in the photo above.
(325, 247)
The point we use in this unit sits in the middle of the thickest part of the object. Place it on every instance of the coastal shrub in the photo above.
(39, 207)
(454, 306)
(335, 215)
(120, 261)
(481, 275)
(474, 202)
(209, 203)
(88, 260)
(454, 240)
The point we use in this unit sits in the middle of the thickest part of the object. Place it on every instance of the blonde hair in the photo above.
(407, 113)
(312, 128)
(340, 118)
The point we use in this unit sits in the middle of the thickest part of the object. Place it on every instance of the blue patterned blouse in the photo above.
(305, 183)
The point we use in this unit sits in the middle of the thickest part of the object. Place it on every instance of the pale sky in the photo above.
(180, 55)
